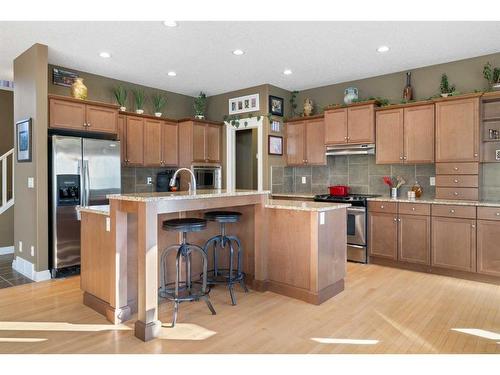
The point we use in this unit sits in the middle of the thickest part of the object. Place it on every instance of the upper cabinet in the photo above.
(77, 115)
(405, 134)
(305, 142)
(354, 124)
(199, 142)
(457, 129)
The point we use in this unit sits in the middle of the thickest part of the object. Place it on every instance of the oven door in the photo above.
(356, 226)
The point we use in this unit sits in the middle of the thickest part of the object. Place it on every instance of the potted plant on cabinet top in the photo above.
(159, 102)
(445, 88)
(200, 105)
(139, 99)
(121, 97)
(492, 76)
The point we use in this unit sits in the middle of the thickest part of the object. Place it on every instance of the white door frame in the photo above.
(252, 123)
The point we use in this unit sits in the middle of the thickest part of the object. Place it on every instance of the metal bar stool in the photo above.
(228, 276)
(187, 290)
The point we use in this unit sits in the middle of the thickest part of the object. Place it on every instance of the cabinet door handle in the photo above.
(455, 181)
(455, 168)
(88, 124)
(395, 219)
(413, 208)
(345, 138)
(497, 214)
(382, 206)
(455, 193)
(84, 124)
(400, 158)
(404, 157)
(475, 155)
(399, 219)
(452, 211)
(473, 225)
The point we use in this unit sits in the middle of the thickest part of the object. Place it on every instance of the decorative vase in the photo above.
(200, 117)
(408, 91)
(139, 111)
(394, 193)
(123, 109)
(308, 107)
(350, 94)
(157, 114)
(444, 95)
(78, 89)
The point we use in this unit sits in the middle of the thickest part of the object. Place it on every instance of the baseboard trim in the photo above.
(6, 250)
(27, 269)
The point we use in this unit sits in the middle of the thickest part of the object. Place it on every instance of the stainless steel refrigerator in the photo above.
(82, 172)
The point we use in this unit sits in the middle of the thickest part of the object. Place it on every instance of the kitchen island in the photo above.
(290, 247)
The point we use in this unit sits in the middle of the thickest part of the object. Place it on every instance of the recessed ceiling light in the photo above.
(172, 74)
(238, 52)
(105, 55)
(287, 72)
(382, 49)
(170, 23)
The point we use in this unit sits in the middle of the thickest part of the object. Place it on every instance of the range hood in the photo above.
(366, 149)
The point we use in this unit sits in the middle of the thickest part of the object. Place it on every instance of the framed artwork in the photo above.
(243, 104)
(63, 77)
(275, 145)
(276, 105)
(276, 126)
(23, 136)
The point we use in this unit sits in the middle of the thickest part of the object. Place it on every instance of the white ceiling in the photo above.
(319, 53)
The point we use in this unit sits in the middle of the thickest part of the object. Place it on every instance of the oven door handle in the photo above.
(356, 209)
(356, 246)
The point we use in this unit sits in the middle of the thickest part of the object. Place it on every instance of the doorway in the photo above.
(246, 159)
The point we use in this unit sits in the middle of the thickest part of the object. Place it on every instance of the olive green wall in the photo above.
(31, 208)
(100, 88)
(467, 75)
(6, 143)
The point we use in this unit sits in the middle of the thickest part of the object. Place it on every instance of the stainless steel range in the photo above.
(357, 242)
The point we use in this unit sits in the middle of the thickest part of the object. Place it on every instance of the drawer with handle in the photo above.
(415, 208)
(457, 181)
(389, 207)
(468, 194)
(457, 168)
(448, 210)
(488, 213)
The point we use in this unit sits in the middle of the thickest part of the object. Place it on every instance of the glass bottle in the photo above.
(408, 91)
(417, 189)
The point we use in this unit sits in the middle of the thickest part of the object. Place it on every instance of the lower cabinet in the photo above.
(383, 235)
(414, 239)
(454, 243)
(488, 247)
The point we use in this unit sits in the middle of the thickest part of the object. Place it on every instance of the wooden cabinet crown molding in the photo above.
(403, 105)
(146, 116)
(304, 118)
(458, 97)
(375, 103)
(88, 102)
(200, 120)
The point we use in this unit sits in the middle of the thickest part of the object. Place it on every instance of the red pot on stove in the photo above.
(339, 190)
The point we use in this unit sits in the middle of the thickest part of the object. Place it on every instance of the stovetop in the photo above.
(354, 199)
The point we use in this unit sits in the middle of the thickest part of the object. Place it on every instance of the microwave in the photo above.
(207, 177)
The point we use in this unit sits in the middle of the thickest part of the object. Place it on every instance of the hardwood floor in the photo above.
(388, 310)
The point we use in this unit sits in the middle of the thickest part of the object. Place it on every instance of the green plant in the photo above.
(492, 75)
(159, 102)
(235, 120)
(200, 104)
(139, 98)
(120, 95)
(445, 86)
(293, 103)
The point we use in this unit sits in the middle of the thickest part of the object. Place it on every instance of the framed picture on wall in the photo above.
(244, 104)
(23, 137)
(276, 105)
(276, 126)
(275, 144)
(63, 77)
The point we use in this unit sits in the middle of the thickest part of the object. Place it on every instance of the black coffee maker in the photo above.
(163, 180)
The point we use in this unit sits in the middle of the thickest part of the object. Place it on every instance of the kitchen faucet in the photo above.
(192, 184)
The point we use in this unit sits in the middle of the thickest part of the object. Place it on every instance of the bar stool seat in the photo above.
(230, 275)
(187, 290)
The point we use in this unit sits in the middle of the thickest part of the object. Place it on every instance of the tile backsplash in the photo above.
(357, 171)
(134, 180)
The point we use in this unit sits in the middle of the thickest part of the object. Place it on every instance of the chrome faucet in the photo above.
(192, 184)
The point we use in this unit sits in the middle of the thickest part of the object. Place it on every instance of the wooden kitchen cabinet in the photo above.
(405, 134)
(457, 129)
(305, 142)
(383, 235)
(79, 115)
(199, 142)
(488, 247)
(121, 136)
(170, 143)
(354, 124)
(389, 136)
(152, 143)
(414, 239)
(454, 243)
(134, 139)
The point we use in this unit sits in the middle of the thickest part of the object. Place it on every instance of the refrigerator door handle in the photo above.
(87, 181)
(82, 181)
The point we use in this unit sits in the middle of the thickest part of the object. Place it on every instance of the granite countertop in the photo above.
(293, 195)
(101, 210)
(183, 195)
(304, 205)
(431, 200)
